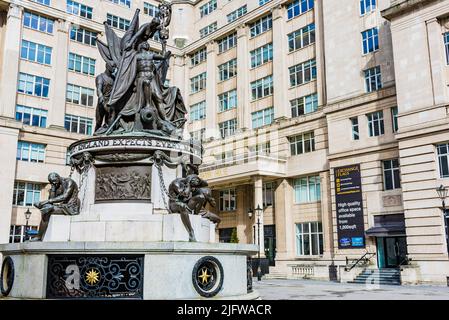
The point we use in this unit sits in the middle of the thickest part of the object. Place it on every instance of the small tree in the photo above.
(234, 238)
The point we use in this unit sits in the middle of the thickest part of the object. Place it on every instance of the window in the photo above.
(208, 30)
(262, 88)
(307, 189)
(443, 159)
(309, 239)
(227, 100)
(376, 123)
(355, 128)
(227, 70)
(225, 235)
(198, 111)
(17, 233)
(150, 9)
(373, 80)
(78, 9)
(262, 2)
(81, 64)
(83, 35)
(126, 3)
(208, 8)
(261, 149)
(117, 22)
(299, 7)
(304, 105)
(240, 12)
(370, 40)
(227, 128)
(31, 116)
(37, 22)
(227, 43)
(198, 83)
(80, 95)
(301, 38)
(261, 55)
(44, 2)
(262, 118)
(30, 152)
(198, 57)
(35, 52)
(302, 73)
(260, 26)
(268, 194)
(198, 135)
(392, 176)
(78, 124)
(303, 143)
(26, 193)
(33, 85)
(367, 6)
(228, 200)
(225, 157)
(394, 118)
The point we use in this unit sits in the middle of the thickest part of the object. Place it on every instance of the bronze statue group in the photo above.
(133, 98)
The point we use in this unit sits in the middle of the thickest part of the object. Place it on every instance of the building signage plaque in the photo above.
(349, 206)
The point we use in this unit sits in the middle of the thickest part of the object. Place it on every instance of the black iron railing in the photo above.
(363, 260)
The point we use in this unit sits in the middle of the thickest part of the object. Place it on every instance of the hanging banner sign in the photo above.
(349, 205)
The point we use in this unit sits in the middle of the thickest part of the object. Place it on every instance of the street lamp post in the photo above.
(442, 193)
(27, 217)
(259, 211)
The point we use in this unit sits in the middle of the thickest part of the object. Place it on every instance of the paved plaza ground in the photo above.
(323, 290)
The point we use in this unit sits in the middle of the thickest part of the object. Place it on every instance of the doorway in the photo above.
(270, 243)
(391, 251)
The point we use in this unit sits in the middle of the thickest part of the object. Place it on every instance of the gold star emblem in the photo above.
(204, 276)
(92, 277)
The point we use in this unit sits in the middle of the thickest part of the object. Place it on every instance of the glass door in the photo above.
(391, 251)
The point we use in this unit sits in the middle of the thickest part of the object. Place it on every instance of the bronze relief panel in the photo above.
(114, 183)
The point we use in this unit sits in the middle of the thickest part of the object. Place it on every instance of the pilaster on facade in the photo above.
(59, 78)
(211, 92)
(280, 93)
(10, 64)
(243, 94)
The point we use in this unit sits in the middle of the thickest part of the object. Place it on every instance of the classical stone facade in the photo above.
(281, 93)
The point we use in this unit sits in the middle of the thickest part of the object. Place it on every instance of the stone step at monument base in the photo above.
(127, 227)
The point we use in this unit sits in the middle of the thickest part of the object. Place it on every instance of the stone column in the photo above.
(8, 142)
(280, 69)
(58, 83)
(211, 92)
(10, 64)
(437, 61)
(284, 221)
(326, 215)
(243, 109)
(258, 202)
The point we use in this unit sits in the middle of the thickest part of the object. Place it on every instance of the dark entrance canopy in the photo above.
(391, 225)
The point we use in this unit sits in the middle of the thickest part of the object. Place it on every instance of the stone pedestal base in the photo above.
(126, 226)
(113, 270)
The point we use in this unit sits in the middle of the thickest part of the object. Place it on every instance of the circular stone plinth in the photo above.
(136, 270)
(136, 147)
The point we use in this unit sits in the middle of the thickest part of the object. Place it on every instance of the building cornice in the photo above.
(401, 7)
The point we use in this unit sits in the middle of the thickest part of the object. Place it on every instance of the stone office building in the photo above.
(281, 93)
